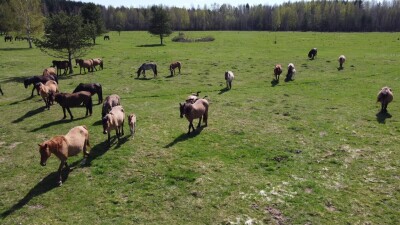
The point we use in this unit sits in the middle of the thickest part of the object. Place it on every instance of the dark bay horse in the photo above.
(106, 37)
(173, 66)
(67, 101)
(38, 79)
(8, 38)
(61, 65)
(93, 88)
(147, 66)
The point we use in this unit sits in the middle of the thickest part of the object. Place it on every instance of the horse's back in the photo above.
(76, 139)
(118, 112)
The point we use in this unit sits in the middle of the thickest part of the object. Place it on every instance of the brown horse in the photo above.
(61, 65)
(93, 88)
(67, 101)
(173, 66)
(38, 79)
(46, 91)
(277, 71)
(63, 146)
(109, 102)
(97, 62)
(85, 64)
(197, 110)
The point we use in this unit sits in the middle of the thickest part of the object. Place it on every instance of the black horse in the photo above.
(61, 65)
(8, 38)
(93, 88)
(312, 53)
(106, 37)
(1, 91)
(38, 79)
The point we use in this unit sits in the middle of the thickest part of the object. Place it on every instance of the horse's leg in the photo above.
(33, 89)
(122, 126)
(230, 85)
(62, 163)
(198, 125)
(70, 114)
(189, 128)
(65, 116)
(118, 132)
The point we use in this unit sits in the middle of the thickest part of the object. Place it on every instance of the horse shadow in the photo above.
(223, 90)
(382, 116)
(150, 45)
(23, 100)
(274, 82)
(29, 114)
(97, 123)
(340, 68)
(45, 185)
(122, 141)
(97, 151)
(185, 136)
(57, 122)
(142, 78)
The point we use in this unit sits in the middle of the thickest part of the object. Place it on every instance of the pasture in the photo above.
(310, 151)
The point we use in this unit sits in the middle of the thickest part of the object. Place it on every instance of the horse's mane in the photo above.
(56, 142)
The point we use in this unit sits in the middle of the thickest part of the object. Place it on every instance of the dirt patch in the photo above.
(13, 145)
(276, 215)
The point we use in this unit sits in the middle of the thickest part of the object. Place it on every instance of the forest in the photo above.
(320, 15)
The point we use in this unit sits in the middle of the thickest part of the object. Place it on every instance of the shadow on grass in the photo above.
(184, 137)
(142, 78)
(29, 113)
(13, 49)
(97, 151)
(151, 45)
(340, 68)
(45, 185)
(97, 123)
(274, 82)
(23, 100)
(382, 116)
(47, 125)
(223, 90)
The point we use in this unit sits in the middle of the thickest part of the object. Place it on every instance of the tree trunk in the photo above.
(161, 38)
(94, 41)
(70, 63)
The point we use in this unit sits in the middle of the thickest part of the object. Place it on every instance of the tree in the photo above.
(65, 36)
(159, 23)
(6, 17)
(91, 15)
(29, 17)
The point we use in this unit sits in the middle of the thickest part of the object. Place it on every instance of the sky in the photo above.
(181, 3)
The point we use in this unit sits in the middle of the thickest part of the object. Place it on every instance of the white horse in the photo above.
(229, 78)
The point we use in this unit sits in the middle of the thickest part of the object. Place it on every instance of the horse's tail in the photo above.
(101, 64)
(155, 69)
(89, 105)
(205, 116)
(100, 93)
(138, 71)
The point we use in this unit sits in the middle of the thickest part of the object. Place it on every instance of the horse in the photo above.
(61, 65)
(341, 60)
(1, 91)
(109, 102)
(49, 71)
(277, 71)
(8, 38)
(229, 78)
(173, 66)
(132, 123)
(84, 63)
(18, 38)
(114, 120)
(193, 97)
(106, 37)
(97, 62)
(93, 88)
(38, 79)
(197, 110)
(147, 66)
(46, 91)
(291, 72)
(385, 96)
(63, 146)
(312, 53)
(67, 100)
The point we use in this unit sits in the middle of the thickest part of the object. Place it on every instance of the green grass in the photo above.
(312, 149)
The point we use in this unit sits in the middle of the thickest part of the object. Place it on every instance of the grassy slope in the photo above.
(312, 149)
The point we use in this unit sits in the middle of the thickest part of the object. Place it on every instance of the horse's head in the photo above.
(27, 82)
(44, 153)
(182, 109)
(106, 124)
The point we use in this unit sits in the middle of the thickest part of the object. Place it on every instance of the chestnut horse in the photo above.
(63, 146)
(197, 110)
(67, 101)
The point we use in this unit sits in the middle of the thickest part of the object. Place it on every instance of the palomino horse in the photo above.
(173, 66)
(67, 101)
(63, 146)
(147, 66)
(93, 88)
(85, 64)
(197, 110)
(97, 62)
(38, 79)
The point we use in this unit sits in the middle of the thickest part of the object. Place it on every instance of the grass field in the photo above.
(310, 151)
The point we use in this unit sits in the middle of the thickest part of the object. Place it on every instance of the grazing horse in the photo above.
(97, 62)
(106, 37)
(173, 66)
(197, 110)
(61, 65)
(8, 38)
(277, 71)
(38, 79)
(63, 146)
(312, 53)
(67, 101)
(147, 66)
(114, 120)
(84, 63)
(93, 88)
(109, 102)
(46, 91)
(229, 78)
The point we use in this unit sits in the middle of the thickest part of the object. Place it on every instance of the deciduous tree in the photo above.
(159, 23)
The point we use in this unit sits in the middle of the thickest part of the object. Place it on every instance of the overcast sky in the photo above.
(181, 3)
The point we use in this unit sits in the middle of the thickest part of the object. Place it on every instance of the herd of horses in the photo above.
(113, 113)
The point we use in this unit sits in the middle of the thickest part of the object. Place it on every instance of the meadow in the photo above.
(311, 151)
